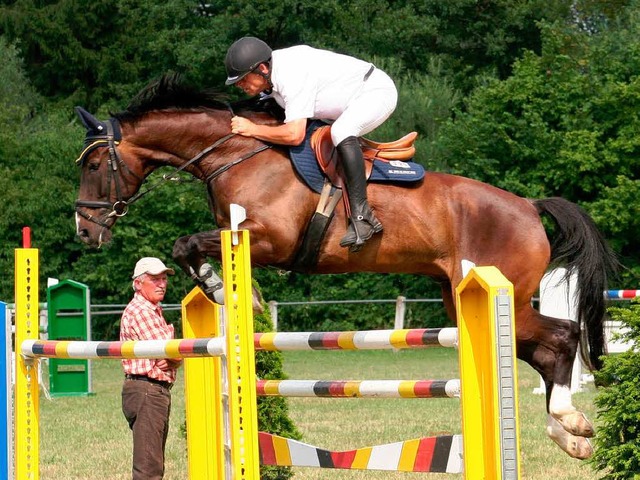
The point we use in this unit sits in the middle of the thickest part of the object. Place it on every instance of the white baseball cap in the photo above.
(152, 266)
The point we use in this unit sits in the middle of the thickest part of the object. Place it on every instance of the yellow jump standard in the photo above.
(220, 391)
(488, 372)
(27, 402)
(222, 419)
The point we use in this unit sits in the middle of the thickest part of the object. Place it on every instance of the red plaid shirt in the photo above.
(143, 320)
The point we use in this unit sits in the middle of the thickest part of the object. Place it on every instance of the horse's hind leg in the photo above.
(549, 345)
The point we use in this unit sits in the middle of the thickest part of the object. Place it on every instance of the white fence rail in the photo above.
(400, 309)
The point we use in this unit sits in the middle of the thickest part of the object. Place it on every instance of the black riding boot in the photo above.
(363, 223)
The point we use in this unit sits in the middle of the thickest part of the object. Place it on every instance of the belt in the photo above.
(144, 378)
(368, 74)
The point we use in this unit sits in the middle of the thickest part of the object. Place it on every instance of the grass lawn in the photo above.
(87, 437)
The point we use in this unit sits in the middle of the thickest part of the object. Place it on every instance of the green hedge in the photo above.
(618, 436)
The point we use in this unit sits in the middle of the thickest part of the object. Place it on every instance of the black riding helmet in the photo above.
(244, 56)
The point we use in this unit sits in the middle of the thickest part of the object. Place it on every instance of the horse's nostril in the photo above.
(83, 234)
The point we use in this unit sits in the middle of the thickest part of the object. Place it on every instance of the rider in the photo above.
(311, 83)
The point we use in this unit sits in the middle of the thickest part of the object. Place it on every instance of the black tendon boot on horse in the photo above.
(363, 223)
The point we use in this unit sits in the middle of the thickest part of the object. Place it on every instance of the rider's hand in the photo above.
(242, 126)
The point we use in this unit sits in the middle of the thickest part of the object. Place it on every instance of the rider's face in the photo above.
(253, 83)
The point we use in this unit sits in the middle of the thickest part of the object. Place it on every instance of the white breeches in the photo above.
(367, 110)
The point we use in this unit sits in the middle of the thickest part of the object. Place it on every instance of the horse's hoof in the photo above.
(575, 446)
(257, 301)
(576, 423)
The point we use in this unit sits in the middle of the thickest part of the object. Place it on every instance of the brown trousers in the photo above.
(147, 407)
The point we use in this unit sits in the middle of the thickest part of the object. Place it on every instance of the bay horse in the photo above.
(430, 227)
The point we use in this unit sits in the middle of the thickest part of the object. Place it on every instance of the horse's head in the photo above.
(107, 183)
(115, 161)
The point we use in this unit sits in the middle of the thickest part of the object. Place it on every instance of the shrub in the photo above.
(618, 403)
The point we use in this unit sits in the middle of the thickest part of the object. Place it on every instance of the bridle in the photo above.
(116, 168)
(110, 140)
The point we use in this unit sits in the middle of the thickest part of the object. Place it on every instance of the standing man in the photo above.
(146, 393)
(312, 83)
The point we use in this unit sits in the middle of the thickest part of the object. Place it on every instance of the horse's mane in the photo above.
(171, 92)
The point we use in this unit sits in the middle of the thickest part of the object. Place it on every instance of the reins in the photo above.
(229, 165)
(120, 207)
(173, 174)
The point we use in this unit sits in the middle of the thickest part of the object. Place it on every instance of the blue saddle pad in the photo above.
(305, 164)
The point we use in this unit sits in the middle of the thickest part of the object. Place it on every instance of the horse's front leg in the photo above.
(190, 253)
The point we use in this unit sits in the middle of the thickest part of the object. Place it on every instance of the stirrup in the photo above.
(359, 231)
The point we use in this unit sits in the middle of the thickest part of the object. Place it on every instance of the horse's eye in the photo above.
(94, 166)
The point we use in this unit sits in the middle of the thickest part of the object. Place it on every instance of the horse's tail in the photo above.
(578, 245)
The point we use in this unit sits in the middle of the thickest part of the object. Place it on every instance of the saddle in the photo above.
(316, 161)
(402, 149)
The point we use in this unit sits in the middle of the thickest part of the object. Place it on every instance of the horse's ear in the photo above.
(90, 122)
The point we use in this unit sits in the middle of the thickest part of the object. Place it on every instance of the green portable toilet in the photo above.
(68, 308)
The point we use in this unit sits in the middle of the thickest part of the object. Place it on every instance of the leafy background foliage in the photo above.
(538, 98)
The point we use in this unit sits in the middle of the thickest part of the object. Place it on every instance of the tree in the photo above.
(17, 97)
(106, 51)
(565, 123)
(102, 52)
(31, 175)
(618, 402)
(564, 116)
